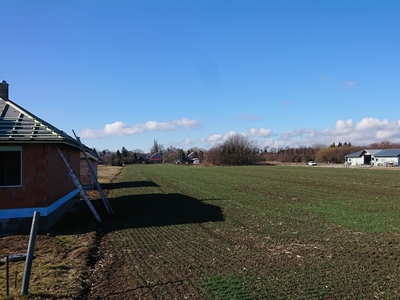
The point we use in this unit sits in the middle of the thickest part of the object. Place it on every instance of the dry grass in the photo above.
(106, 174)
(56, 268)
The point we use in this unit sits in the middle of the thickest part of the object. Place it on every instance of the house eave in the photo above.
(37, 141)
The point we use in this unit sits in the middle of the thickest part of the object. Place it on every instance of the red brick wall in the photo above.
(59, 180)
(86, 177)
(45, 177)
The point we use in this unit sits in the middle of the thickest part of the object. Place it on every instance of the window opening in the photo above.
(10, 166)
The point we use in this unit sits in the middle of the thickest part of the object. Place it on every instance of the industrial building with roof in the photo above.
(374, 157)
(33, 175)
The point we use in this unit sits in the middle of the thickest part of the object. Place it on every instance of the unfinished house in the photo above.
(33, 175)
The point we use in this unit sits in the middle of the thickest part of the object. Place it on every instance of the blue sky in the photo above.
(189, 73)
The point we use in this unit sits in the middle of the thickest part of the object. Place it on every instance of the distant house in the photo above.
(193, 159)
(33, 176)
(156, 158)
(374, 157)
(191, 155)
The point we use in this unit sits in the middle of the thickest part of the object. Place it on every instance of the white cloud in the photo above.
(186, 142)
(119, 128)
(295, 133)
(262, 132)
(362, 133)
(371, 123)
(214, 138)
(228, 134)
(343, 127)
(384, 134)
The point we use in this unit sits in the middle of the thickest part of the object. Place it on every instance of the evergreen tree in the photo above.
(124, 152)
(183, 156)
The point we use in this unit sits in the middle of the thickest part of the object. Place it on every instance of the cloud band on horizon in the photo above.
(364, 132)
(119, 128)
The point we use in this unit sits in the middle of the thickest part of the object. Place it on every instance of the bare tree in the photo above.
(171, 154)
(214, 155)
(238, 150)
(157, 148)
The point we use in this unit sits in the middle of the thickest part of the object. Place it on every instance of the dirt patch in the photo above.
(59, 268)
(63, 258)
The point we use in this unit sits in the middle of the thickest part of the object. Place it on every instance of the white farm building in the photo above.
(374, 157)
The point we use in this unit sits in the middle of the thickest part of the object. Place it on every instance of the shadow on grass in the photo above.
(160, 210)
(128, 184)
(137, 211)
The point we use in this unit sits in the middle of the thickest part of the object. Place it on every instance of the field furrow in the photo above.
(255, 233)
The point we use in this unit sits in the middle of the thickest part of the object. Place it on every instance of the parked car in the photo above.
(312, 163)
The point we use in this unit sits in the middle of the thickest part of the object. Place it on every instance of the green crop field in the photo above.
(258, 232)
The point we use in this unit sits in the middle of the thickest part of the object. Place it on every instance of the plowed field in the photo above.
(269, 232)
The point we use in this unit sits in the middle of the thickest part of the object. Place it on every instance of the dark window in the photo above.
(10, 166)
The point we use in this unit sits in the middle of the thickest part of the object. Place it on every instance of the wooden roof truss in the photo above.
(17, 124)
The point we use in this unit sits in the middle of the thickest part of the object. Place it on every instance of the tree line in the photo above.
(170, 155)
(240, 150)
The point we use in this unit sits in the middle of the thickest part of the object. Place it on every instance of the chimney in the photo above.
(4, 90)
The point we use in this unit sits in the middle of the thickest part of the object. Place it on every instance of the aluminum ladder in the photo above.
(94, 178)
(79, 186)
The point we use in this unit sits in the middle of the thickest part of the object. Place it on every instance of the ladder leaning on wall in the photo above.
(79, 186)
(94, 177)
